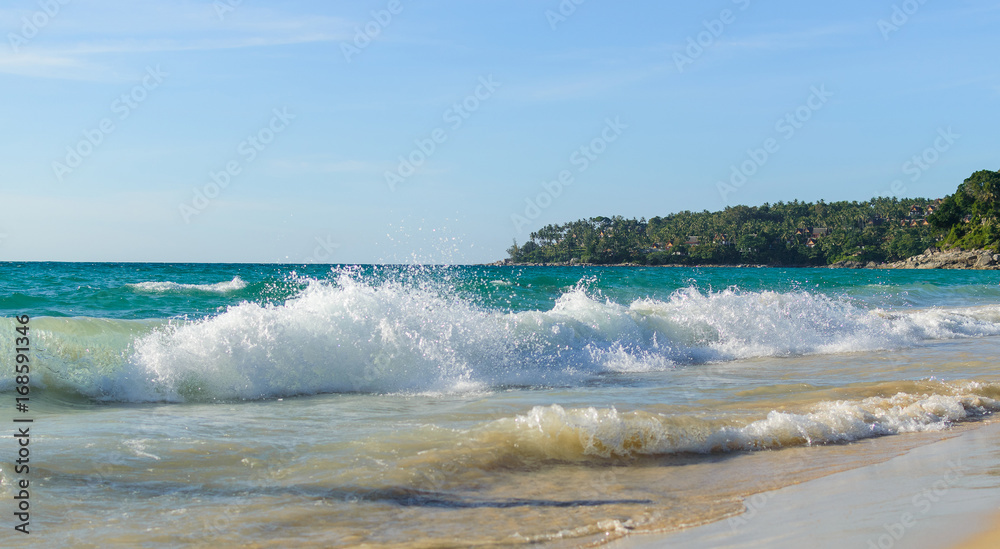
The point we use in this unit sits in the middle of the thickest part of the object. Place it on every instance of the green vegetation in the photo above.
(970, 215)
(786, 233)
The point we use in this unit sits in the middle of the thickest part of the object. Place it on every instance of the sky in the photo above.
(439, 131)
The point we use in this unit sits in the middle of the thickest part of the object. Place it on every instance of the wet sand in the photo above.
(989, 539)
(944, 494)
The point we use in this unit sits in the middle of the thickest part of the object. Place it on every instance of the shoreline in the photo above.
(932, 258)
(940, 494)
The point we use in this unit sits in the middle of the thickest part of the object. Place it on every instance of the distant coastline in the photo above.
(959, 231)
(932, 258)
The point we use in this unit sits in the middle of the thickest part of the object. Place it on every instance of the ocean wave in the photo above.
(549, 433)
(351, 335)
(233, 285)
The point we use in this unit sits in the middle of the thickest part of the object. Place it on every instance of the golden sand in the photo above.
(866, 506)
(989, 539)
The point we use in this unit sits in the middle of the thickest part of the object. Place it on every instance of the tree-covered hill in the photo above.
(786, 233)
(970, 215)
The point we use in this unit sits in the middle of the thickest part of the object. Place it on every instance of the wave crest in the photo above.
(353, 336)
(552, 432)
(233, 285)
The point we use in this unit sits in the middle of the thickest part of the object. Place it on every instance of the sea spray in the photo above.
(356, 335)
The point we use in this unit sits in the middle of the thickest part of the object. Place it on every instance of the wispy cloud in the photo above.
(802, 37)
(49, 65)
(82, 44)
(164, 18)
(797, 39)
(653, 61)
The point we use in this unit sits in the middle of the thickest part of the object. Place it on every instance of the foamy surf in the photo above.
(353, 336)
(233, 285)
(584, 434)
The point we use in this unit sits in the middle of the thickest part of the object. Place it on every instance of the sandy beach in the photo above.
(990, 539)
(944, 494)
(854, 413)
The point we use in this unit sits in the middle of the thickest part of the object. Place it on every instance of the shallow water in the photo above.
(263, 405)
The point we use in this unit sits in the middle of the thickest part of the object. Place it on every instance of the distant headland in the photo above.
(960, 230)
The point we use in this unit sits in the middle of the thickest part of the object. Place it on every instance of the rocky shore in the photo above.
(934, 258)
(574, 263)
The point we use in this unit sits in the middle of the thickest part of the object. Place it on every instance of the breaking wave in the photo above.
(555, 433)
(233, 285)
(352, 335)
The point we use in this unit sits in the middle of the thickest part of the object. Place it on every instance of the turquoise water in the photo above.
(266, 405)
(110, 290)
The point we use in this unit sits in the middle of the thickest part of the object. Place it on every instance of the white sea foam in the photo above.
(356, 336)
(233, 285)
(552, 432)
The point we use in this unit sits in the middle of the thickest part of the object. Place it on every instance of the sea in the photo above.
(239, 405)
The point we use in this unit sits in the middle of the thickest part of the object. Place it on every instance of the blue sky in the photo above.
(252, 131)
